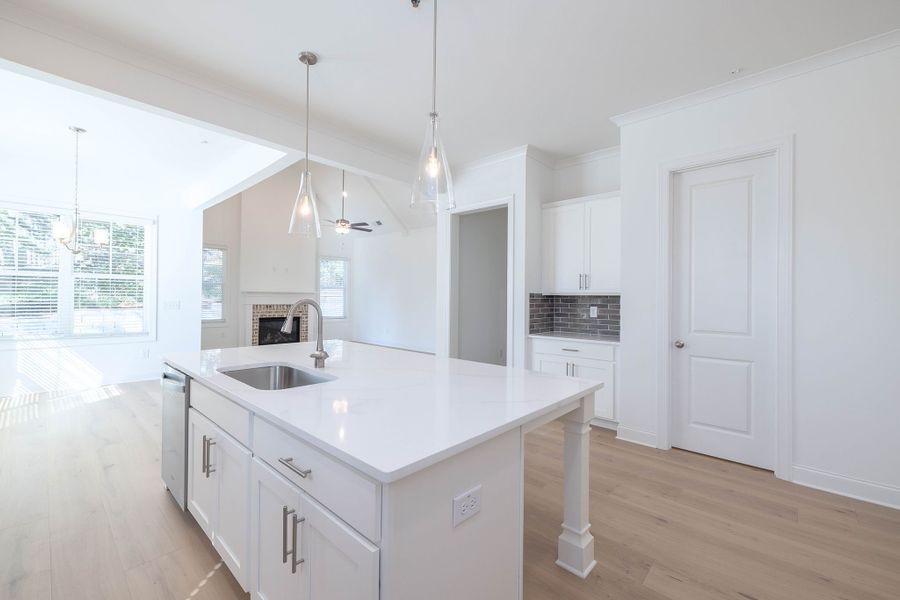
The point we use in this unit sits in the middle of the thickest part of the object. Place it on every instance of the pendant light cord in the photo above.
(307, 118)
(434, 63)
(343, 192)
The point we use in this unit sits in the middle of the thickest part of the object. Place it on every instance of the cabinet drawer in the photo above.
(574, 349)
(350, 495)
(227, 415)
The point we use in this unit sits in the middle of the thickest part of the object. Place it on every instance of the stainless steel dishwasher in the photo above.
(175, 402)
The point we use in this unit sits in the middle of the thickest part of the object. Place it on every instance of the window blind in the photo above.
(213, 288)
(29, 275)
(109, 280)
(332, 287)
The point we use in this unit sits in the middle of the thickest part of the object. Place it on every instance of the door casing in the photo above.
(783, 151)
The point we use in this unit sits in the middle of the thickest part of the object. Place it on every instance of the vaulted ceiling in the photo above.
(511, 72)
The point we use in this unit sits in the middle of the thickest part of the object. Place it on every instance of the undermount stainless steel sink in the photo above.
(276, 377)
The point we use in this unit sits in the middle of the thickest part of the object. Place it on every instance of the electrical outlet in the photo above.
(466, 505)
(145, 353)
(593, 312)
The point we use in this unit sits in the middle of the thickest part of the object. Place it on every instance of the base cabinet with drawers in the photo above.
(292, 522)
(300, 550)
(277, 540)
(586, 360)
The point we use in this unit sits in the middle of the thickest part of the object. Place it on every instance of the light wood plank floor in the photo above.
(83, 515)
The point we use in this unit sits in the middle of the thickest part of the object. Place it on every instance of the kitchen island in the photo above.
(400, 476)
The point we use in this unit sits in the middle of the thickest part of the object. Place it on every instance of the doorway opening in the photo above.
(482, 291)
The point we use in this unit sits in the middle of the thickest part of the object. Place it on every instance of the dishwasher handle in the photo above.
(173, 382)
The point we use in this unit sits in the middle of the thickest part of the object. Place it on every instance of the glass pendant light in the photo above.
(433, 186)
(305, 215)
(65, 229)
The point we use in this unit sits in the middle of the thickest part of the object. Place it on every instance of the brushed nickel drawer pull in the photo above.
(203, 456)
(289, 463)
(570, 350)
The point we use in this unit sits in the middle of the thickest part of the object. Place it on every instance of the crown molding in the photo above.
(587, 157)
(493, 159)
(829, 58)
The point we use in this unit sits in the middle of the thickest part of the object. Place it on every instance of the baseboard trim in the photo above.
(861, 489)
(605, 423)
(636, 436)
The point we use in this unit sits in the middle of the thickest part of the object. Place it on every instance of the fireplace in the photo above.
(266, 321)
(270, 331)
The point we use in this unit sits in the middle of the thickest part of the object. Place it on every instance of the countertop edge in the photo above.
(564, 338)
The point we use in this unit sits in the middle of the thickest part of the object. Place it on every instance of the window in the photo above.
(213, 308)
(45, 291)
(333, 287)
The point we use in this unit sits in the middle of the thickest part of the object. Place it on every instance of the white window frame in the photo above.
(346, 260)
(224, 320)
(66, 304)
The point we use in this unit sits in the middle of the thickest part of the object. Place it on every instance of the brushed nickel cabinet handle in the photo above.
(570, 350)
(289, 463)
(581, 281)
(587, 281)
(209, 444)
(294, 553)
(203, 457)
(285, 511)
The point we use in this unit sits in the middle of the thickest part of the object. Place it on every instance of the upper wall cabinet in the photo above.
(582, 246)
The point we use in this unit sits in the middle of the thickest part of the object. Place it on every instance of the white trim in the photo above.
(605, 423)
(581, 199)
(508, 202)
(493, 159)
(816, 62)
(783, 151)
(636, 436)
(587, 157)
(861, 489)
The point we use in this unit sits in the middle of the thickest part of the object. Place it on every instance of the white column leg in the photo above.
(576, 544)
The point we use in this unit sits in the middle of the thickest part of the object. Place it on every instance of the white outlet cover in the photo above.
(466, 505)
(593, 312)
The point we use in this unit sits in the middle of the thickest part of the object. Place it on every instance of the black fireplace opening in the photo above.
(270, 331)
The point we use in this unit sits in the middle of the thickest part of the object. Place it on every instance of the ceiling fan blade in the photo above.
(360, 229)
(362, 224)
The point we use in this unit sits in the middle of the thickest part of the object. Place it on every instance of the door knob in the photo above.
(679, 344)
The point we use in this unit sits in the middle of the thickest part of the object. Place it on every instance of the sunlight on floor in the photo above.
(18, 409)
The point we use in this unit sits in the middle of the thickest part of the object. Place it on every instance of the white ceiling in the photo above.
(131, 159)
(511, 72)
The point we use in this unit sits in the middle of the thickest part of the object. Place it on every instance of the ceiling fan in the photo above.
(343, 225)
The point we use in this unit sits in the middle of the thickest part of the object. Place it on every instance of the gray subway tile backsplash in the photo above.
(571, 314)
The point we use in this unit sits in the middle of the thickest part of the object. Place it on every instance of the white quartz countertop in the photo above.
(597, 339)
(388, 412)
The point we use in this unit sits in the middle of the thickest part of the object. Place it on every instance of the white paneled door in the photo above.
(724, 311)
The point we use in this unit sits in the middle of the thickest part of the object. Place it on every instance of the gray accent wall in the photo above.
(571, 315)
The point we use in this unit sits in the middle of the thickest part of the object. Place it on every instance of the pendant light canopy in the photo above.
(305, 215)
(433, 186)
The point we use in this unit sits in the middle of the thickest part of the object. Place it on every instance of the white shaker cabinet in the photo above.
(587, 360)
(300, 550)
(581, 242)
(218, 493)
(274, 507)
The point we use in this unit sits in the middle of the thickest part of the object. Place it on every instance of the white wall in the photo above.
(846, 268)
(482, 297)
(392, 299)
(272, 260)
(222, 228)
